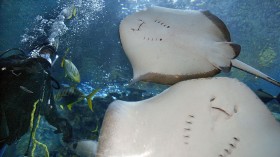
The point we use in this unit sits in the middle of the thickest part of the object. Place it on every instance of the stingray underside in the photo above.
(215, 117)
(176, 44)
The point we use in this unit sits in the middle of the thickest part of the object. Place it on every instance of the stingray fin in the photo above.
(228, 50)
(236, 49)
(219, 23)
(220, 62)
(225, 69)
(222, 53)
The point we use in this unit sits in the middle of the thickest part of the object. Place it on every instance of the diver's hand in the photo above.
(66, 129)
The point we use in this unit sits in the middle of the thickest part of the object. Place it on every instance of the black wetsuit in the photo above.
(23, 81)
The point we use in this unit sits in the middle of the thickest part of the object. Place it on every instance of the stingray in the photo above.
(217, 117)
(169, 45)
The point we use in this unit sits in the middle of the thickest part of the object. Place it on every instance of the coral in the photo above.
(267, 57)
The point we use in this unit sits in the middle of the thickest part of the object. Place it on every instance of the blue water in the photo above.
(93, 35)
(93, 38)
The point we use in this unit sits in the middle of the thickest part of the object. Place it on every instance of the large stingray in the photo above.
(217, 117)
(168, 45)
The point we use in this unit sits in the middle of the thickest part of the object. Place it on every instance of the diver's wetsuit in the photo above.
(23, 81)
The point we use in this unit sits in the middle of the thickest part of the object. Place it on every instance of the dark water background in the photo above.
(93, 39)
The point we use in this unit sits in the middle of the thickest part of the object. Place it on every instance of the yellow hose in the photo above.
(33, 133)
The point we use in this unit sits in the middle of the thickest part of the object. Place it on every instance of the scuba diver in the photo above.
(25, 79)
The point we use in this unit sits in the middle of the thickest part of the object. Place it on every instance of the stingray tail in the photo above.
(247, 68)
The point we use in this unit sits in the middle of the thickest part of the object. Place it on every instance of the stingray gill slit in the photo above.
(187, 128)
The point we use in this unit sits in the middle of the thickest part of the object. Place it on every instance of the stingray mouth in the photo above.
(140, 28)
(140, 25)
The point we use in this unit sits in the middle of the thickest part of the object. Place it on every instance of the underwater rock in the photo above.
(267, 57)
(44, 134)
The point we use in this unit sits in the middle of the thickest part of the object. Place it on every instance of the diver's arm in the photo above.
(52, 116)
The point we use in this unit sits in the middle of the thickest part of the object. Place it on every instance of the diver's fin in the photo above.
(247, 68)
(89, 98)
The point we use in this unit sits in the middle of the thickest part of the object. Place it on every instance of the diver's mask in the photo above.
(47, 57)
(47, 52)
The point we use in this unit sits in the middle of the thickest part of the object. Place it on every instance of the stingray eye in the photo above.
(140, 20)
